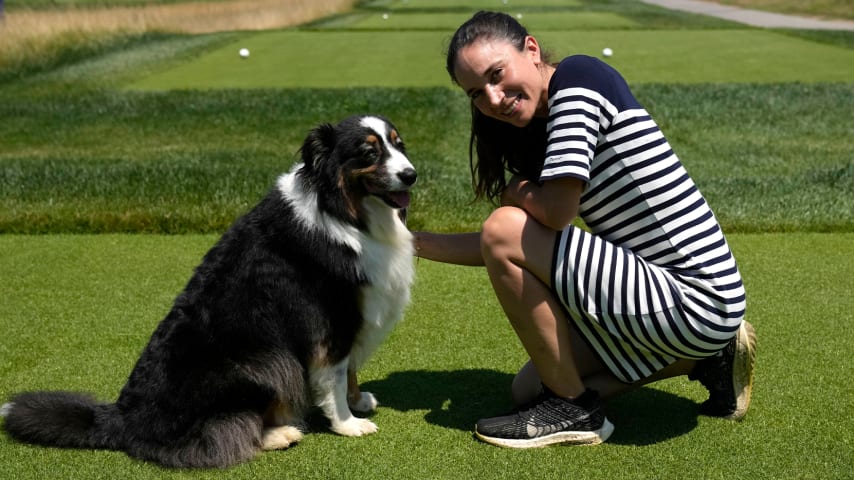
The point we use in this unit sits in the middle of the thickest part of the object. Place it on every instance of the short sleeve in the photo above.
(585, 94)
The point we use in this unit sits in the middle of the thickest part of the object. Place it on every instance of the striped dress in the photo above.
(654, 279)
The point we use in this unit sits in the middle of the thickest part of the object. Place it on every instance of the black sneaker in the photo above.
(548, 420)
(729, 376)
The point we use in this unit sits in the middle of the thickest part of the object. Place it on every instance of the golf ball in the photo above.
(607, 52)
(244, 53)
(385, 16)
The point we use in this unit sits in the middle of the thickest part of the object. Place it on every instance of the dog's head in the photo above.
(361, 157)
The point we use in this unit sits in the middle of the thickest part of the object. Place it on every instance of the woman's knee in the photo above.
(501, 232)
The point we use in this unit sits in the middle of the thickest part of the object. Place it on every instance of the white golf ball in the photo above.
(607, 52)
(244, 53)
(385, 16)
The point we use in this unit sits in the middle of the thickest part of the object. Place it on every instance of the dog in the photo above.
(275, 321)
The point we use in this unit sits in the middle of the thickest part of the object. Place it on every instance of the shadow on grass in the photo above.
(457, 399)
(647, 416)
(453, 399)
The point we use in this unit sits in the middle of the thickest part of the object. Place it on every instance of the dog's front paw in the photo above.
(366, 403)
(355, 427)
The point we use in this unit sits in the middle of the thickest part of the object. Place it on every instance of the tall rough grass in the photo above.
(31, 38)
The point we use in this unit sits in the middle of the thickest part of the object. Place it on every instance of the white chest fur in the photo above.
(385, 255)
(387, 262)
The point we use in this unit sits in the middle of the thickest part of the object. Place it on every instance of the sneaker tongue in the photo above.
(401, 199)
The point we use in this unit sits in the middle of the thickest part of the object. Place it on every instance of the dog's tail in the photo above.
(63, 419)
(74, 420)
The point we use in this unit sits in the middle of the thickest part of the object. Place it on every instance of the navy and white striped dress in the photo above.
(654, 280)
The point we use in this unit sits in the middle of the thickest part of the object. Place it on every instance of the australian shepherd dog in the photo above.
(275, 321)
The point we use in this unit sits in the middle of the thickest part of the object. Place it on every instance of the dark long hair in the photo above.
(500, 146)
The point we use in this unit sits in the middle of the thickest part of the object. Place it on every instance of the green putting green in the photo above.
(344, 59)
(470, 4)
(533, 21)
(77, 310)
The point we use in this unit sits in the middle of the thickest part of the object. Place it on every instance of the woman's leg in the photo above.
(517, 251)
(527, 383)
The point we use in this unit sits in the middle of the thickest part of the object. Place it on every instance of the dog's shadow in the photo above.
(457, 399)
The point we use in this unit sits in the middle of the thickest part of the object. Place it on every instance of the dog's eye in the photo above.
(396, 140)
(372, 145)
(397, 143)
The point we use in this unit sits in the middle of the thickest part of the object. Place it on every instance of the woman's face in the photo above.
(503, 82)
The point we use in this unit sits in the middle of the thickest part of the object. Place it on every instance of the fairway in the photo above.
(84, 306)
(123, 159)
(501, 5)
(542, 21)
(346, 59)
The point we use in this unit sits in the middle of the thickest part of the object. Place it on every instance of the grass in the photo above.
(408, 21)
(449, 363)
(163, 132)
(38, 39)
(70, 167)
(643, 56)
(169, 133)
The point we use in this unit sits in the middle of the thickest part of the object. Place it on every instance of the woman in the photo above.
(651, 291)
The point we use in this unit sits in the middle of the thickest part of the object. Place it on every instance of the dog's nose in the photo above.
(408, 176)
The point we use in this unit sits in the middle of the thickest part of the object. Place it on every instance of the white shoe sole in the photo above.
(742, 369)
(563, 438)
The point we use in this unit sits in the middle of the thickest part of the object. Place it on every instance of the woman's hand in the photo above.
(554, 203)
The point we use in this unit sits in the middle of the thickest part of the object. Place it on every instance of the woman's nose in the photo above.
(493, 94)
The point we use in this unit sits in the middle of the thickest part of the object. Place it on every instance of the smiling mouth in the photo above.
(512, 108)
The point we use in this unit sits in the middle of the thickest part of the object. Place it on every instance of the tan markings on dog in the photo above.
(394, 136)
(375, 142)
(354, 394)
(319, 357)
(278, 413)
(357, 195)
(364, 171)
(349, 201)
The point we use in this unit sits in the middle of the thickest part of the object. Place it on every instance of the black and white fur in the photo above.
(276, 319)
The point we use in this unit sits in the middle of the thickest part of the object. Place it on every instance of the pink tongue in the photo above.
(400, 198)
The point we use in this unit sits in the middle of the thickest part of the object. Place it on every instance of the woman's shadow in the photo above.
(457, 399)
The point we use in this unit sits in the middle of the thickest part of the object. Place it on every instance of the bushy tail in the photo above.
(62, 419)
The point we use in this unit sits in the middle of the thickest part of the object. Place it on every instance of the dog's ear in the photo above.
(318, 144)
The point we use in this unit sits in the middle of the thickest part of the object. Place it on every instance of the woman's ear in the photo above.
(532, 48)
